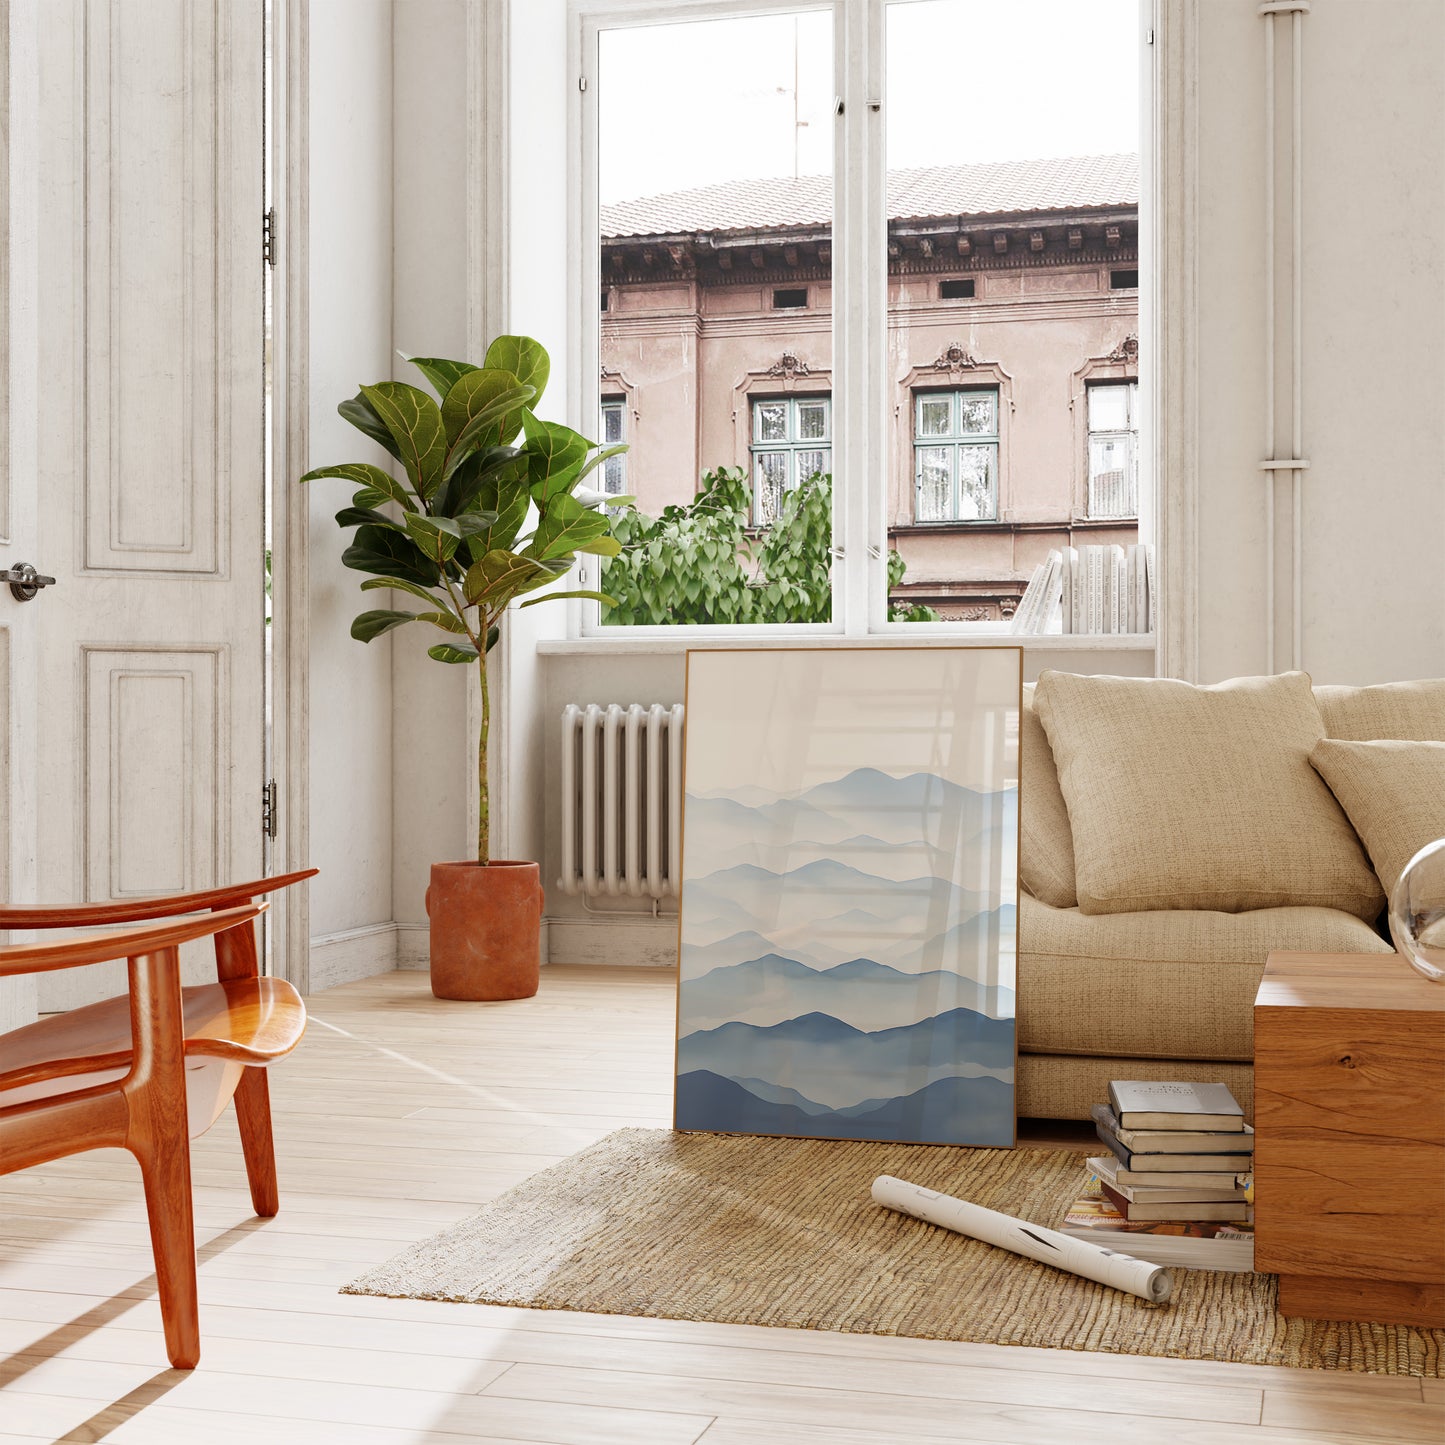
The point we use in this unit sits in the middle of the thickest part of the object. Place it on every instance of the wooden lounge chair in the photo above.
(150, 1070)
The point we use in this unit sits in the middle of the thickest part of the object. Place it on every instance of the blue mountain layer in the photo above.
(860, 992)
(833, 1063)
(975, 1112)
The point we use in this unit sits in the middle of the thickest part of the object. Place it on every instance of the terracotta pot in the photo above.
(486, 929)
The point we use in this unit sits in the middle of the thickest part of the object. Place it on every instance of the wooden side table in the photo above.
(1349, 1172)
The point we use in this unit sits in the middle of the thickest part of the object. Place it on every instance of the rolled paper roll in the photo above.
(1092, 1261)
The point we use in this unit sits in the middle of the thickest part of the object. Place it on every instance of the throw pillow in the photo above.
(1046, 846)
(1394, 793)
(1390, 710)
(1200, 797)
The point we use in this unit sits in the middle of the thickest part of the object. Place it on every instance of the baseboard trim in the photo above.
(355, 953)
(630, 942)
(413, 945)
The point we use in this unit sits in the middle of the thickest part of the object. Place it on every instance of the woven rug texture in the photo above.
(782, 1232)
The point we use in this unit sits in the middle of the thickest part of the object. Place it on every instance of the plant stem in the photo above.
(484, 840)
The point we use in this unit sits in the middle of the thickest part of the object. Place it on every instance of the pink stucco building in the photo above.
(1013, 354)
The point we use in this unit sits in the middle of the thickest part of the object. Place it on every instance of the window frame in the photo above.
(793, 445)
(862, 438)
(954, 440)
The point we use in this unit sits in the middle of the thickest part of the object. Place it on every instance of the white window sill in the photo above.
(657, 643)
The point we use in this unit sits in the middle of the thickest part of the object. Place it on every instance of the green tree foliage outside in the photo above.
(705, 563)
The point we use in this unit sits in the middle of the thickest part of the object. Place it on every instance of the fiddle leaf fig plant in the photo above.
(491, 512)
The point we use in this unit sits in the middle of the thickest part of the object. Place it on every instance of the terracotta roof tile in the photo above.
(1063, 183)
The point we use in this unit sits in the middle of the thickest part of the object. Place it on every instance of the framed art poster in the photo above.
(849, 893)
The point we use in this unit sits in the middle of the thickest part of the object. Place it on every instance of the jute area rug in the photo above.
(782, 1232)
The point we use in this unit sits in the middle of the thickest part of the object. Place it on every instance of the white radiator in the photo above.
(622, 800)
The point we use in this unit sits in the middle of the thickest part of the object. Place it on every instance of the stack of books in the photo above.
(1089, 590)
(1177, 1177)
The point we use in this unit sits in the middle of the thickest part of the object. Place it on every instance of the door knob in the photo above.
(24, 581)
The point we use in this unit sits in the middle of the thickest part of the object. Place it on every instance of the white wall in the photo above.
(351, 338)
(430, 774)
(1373, 321)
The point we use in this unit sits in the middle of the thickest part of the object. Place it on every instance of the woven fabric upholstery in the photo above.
(1046, 846)
(1170, 984)
(1394, 793)
(1200, 797)
(1067, 1086)
(1414, 710)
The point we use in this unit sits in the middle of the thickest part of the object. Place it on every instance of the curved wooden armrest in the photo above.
(138, 910)
(99, 948)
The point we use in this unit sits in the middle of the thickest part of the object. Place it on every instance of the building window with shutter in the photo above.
(792, 441)
(955, 455)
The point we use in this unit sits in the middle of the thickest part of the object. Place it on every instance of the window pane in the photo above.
(1108, 408)
(977, 467)
(614, 476)
(812, 420)
(810, 464)
(935, 484)
(978, 414)
(770, 482)
(999, 174)
(935, 416)
(611, 424)
(1112, 489)
(708, 130)
(770, 421)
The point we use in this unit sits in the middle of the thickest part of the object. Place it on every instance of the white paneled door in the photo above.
(149, 514)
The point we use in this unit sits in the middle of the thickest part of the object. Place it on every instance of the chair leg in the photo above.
(167, 1178)
(253, 1113)
(158, 1136)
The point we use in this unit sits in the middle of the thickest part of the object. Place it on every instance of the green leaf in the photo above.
(434, 536)
(476, 393)
(358, 411)
(442, 374)
(500, 576)
(391, 554)
(504, 494)
(453, 652)
(580, 592)
(372, 624)
(601, 547)
(566, 526)
(373, 478)
(493, 635)
(503, 465)
(487, 428)
(447, 621)
(526, 359)
(400, 584)
(415, 423)
(555, 456)
(365, 516)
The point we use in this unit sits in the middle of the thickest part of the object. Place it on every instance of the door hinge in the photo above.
(268, 237)
(270, 810)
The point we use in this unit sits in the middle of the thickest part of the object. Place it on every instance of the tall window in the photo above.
(955, 455)
(1113, 449)
(791, 442)
(614, 430)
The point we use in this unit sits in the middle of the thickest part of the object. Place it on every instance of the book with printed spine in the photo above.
(1069, 569)
(1190, 1211)
(1108, 1168)
(1175, 1104)
(1171, 1141)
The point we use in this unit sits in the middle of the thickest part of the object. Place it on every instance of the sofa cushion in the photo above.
(1173, 984)
(1200, 797)
(1046, 846)
(1394, 793)
(1413, 710)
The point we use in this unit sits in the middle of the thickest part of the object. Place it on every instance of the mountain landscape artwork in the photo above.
(849, 894)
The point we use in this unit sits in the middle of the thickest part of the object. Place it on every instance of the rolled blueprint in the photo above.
(1033, 1241)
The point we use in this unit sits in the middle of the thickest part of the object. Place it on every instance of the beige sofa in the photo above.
(1166, 993)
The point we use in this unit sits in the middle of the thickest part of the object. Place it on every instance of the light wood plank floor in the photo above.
(400, 1113)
